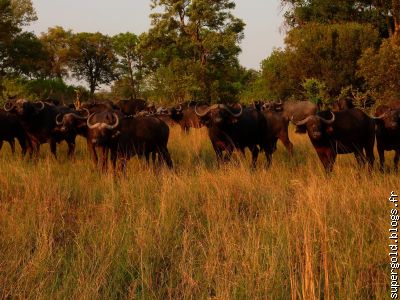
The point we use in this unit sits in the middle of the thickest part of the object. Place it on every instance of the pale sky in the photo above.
(263, 20)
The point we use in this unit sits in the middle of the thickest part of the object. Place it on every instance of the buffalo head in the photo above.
(103, 127)
(23, 107)
(390, 118)
(315, 125)
(72, 122)
(218, 114)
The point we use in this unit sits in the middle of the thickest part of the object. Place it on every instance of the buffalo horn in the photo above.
(233, 114)
(301, 122)
(8, 106)
(328, 121)
(42, 105)
(57, 121)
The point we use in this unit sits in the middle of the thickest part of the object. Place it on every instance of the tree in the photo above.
(27, 56)
(382, 14)
(13, 15)
(193, 49)
(57, 44)
(92, 58)
(328, 53)
(381, 70)
(130, 64)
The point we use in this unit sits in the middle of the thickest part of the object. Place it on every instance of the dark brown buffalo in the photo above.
(11, 129)
(388, 133)
(101, 133)
(141, 136)
(39, 122)
(131, 107)
(184, 114)
(347, 131)
(277, 124)
(231, 129)
(343, 103)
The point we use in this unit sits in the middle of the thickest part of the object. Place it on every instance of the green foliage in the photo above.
(383, 15)
(14, 14)
(277, 76)
(57, 44)
(315, 91)
(130, 65)
(328, 53)
(27, 56)
(381, 70)
(192, 50)
(92, 58)
(38, 89)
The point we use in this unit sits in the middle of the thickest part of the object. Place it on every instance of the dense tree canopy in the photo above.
(382, 14)
(193, 49)
(92, 58)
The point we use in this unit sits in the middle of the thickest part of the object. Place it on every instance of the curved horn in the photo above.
(328, 121)
(42, 107)
(62, 120)
(180, 108)
(90, 126)
(380, 117)
(279, 103)
(86, 110)
(203, 113)
(301, 122)
(8, 106)
(233, 114)
(115, 124)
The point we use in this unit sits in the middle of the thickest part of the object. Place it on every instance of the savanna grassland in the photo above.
(198, 232)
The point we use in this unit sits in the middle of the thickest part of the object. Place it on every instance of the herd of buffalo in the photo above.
(132, 127)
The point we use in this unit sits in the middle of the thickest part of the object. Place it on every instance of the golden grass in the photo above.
(198, 232)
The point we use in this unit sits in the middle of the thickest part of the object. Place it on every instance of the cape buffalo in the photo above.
(132, 106)
(387, 133)
(39, 122)
(11, 129)
(101, 133)
(229, 130)
(184, 114)
(141, 136)
(347, 131)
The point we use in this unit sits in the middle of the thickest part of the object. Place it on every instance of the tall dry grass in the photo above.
(68, 232)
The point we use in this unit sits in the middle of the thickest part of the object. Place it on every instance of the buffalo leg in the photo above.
(254, 156)
(114, 159)
(360, 159)
(396, 160)
(381, 153)
(104, 159)
(327, 158)
(92, 149)
(369, 153)
(23, 144)
(53, 148)
(287, 143)
(165, 157)
(71, 149)
(218, 153)
(12, 145)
